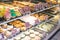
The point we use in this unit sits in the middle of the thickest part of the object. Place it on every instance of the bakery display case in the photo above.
(29, 20)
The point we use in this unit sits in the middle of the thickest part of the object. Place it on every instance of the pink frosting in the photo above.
(7, 14)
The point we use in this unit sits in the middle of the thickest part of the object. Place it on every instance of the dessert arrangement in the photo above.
(8, 12)
(53, 11)
(21, 25)
(29, 35)
(36, 18)
(49, 26)
(17, 9)
(45, 26)
(30, 19)
(27, 27)
(32, 6)
(8, 31)
(13, 28)
(52, 1)
(41, 16)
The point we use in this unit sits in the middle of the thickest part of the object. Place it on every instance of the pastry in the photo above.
(8, 34)
(4, 26)
(52, 1)
(32, 35)
(36, 33)
(31, 31)
(37, 38)
(26, 38)
(23, 28)
(22, 35)
(26, 33)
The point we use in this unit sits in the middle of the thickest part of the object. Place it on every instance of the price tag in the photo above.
(21, 11)
(27, 24)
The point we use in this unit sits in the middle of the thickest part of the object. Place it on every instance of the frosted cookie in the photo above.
(32, 35)
(33, 39)
(40, 35)
(22, 35)
(23, 28)
(31, 31)
(36, 33)
(17, 38)
(8, 34)
(37, 38)
(26, 33)
(27, 38)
